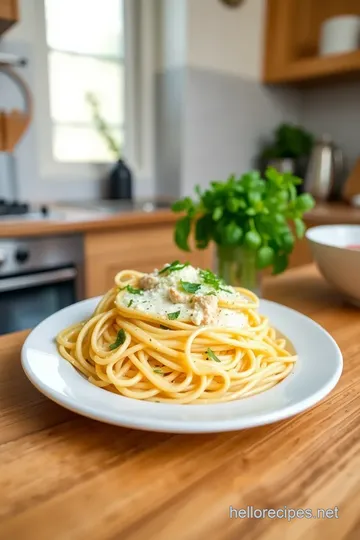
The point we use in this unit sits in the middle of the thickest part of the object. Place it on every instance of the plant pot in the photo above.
(237, 267)
(120, 182)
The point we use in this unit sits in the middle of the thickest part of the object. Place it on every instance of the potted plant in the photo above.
(251, 221)
(120, 179)
(289, 151)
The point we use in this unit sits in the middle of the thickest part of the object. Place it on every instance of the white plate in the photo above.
(314, 376)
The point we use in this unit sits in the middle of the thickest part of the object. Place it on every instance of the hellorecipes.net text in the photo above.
(283, 513)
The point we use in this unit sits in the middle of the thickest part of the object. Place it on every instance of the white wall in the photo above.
(224, 39)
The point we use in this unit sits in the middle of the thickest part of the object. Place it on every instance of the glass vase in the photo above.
(237, 267)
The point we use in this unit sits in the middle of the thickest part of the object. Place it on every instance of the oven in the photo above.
(38, 276)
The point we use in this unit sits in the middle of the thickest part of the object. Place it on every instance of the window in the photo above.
(85, 40)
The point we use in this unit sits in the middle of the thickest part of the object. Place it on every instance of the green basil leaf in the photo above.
(217, 213)
(300, 227)
(202, 232)
(305, 202)
(287, 242)
(212, 355)
(120, 339)
(173, 316)
(130, 303)
(281, 261)
(158, 371)
(182, 232)
(190, 287)
(264, 257)
(252, 240)
(254, 197)
(232, 234)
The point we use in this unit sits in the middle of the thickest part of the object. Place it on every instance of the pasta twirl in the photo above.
(150, 356)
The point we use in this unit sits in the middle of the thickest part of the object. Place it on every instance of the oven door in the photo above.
(26, 300)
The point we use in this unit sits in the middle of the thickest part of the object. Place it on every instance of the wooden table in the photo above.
(66, 477)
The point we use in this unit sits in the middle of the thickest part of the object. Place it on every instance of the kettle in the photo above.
(325, 172)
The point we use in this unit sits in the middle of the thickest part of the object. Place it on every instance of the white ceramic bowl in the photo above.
(337, 262)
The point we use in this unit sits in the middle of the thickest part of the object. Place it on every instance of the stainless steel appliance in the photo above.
(325, 174)
(38, 276)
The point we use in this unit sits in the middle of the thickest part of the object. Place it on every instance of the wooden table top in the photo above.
(66, 477)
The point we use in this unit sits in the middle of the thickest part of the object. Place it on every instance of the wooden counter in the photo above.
(66, 477)
(71, 225)
(323, 213)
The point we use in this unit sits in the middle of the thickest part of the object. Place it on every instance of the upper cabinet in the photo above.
(9, 14)
(292, 41)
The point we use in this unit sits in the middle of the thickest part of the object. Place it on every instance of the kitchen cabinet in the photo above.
(108, 252)
(292, 38)
(9, 14)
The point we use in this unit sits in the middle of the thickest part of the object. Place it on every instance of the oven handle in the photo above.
(36, 280)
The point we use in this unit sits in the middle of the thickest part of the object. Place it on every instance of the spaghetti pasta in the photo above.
(135, 348)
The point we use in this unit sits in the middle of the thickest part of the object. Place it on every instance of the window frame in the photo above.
(139, 64)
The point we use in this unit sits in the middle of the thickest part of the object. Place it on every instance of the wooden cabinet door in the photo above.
(106, 253)
(9, 10)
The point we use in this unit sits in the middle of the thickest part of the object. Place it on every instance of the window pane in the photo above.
(72, 77)
(85, 26)
(74, 144)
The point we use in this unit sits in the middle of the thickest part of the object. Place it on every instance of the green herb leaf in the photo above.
(232, 234)
(190, 287)
(300, 227)
(158, 370)
(182, 232)
(305, 202)
(120, 339)
(280, 263)
(174, 266)
(133, 290)
(130, 303)
(252, 240)
(209, 278)
(173, 316)
(203, 231)
(217, 213)
(264, 257)
(212, 355)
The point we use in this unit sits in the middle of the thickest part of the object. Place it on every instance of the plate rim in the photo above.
(178, 425)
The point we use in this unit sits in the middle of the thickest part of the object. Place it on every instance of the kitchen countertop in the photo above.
(63, 476)
(73, 220)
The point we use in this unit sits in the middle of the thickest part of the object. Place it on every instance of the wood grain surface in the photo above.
(323, 213)
(64, 477)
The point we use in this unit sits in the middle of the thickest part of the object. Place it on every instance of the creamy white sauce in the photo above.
(157, 301)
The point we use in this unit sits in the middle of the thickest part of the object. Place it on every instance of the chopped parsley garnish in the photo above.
(120, 338)
(189, 287)
(164, 327)
(133, 290)
(226, 290)
(159, 371)
(209, 278)
(130, 303)
(212, 355)
(173, 316)
(175, 265)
